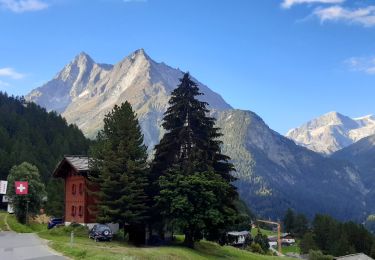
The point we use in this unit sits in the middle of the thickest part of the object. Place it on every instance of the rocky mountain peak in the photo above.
(79, 65)
(332, 131)
(139, 54)
(83, 57)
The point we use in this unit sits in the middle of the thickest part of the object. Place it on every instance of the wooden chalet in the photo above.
(74, 170)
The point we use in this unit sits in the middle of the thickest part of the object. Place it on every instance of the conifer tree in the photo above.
(289, 220)
(119, 170)
(191, 177)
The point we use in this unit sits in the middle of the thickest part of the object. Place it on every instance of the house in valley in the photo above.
(79, 195)
(287, 239)
(236, 238)
(77, 200)
(359, 256)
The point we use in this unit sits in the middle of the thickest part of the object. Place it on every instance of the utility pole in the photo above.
(278, 232)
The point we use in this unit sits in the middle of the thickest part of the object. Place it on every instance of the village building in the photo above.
(287, 239)
(236, 238)
(8, 204)
(359, 256)
(77, 200)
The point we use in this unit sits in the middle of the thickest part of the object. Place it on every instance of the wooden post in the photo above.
(71, 238)
(278, 232)
(279, 238)
(27, 211)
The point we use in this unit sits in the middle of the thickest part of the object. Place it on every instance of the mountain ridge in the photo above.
(270, 166)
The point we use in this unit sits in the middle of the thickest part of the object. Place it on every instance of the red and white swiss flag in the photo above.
(22, 187)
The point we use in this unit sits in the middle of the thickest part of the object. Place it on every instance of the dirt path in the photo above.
(6, 223)
(3, 218)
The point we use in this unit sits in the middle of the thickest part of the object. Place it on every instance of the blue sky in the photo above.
(286, 60)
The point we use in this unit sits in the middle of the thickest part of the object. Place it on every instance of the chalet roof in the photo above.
(360, 256)
(80, 163)
(237, 233)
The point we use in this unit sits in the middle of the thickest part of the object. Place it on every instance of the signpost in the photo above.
(3, 187)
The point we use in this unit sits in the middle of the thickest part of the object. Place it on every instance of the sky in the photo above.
(287, 60)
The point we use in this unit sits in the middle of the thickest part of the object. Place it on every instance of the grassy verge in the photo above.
(20, 228)
(84, 248)
(3, 226)
(254, 232)
(291, 249)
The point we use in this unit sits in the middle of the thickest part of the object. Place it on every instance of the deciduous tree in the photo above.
(36, 191)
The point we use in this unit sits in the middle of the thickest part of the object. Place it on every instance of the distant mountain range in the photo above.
(273, 172)
(332, 132)
(362, 155)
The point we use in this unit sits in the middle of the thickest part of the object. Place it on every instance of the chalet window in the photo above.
(80, 211)
(74, 189)
(80, 188)
(73, 211)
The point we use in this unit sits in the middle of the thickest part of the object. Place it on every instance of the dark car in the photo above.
(55, 222)
(101, 232)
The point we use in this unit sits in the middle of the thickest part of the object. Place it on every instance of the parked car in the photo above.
(55, 222)
(101, 232)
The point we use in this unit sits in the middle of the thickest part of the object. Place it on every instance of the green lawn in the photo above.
(20, 228)
(291, 249)
(254, 232)
(85, 248)
(3, 226)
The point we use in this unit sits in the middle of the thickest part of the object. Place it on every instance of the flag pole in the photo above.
(27, 211)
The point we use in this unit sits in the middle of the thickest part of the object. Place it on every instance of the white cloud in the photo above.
(362, 64)
(290, 3)
(20, 6)
(11, 73)
(364, 16)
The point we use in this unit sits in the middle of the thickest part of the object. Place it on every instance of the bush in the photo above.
(318, 255)
(255, 248)
(308, 243)
(263, 241)
(79, 231)
(120, 236)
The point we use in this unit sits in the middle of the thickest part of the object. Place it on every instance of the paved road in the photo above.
(15, 246)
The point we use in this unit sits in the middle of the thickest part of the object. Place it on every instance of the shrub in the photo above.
(255, 248)
(79, 231)
(318, 255)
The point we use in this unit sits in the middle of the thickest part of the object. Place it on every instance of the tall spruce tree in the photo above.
(119, 171)
(289, 220)
(191, 177)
